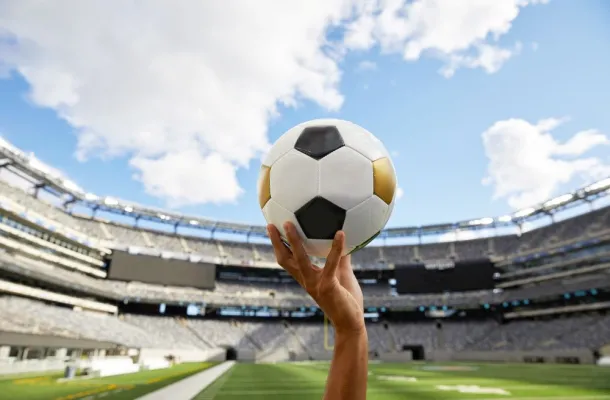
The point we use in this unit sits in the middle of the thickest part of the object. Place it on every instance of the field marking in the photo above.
(217, 385)
(413, 389)
(92, 394)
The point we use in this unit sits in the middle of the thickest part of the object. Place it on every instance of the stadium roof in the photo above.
(44, 177)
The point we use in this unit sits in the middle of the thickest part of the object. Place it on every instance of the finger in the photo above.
(334, 257)
(345, 270)
(282, 253)
(296, 245)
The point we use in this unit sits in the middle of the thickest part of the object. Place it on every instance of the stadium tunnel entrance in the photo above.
(417, 352)
(231, 354)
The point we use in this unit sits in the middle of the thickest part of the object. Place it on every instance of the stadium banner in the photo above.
(445, 275)
(152, 269)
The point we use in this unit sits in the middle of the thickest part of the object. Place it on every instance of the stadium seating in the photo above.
(21, 315)
(122, 236)
(588, 331)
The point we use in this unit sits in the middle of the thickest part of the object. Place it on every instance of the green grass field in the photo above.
(306, 382)
(418, 382)
(125, 387)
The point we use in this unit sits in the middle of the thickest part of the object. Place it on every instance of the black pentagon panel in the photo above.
(320, 219)
(319, 141)
(366, 242)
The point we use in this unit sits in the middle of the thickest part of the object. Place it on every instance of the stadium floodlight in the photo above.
(91, 197)
(526, 212)
(481, 221)
(128, 209)
(598, 186)
(71, 186)
(557, 201)
(194, 222)
(109, 201)
(505, 218)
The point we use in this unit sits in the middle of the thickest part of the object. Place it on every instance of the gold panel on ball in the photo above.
(384, 179)
(264, 185)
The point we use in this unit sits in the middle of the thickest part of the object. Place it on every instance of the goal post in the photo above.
(329, 337)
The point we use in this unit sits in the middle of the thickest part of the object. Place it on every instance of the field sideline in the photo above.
(124, 387)
(418, 381)
(306, 381)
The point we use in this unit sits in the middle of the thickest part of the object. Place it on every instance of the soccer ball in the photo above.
(324, 176)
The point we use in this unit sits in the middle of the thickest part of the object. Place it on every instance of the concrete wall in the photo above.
(246, 355)
(188, 355)
(46, 341)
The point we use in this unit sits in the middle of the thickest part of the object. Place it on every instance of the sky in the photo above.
(486, 106)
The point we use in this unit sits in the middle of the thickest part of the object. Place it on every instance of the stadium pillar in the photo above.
(61, 353)
(4, 352)
(24, 353)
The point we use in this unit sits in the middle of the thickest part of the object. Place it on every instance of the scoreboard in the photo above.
(445, 276)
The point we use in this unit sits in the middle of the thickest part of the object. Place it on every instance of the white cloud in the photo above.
(366, 66)
(527, 165)
(172, 174)
(489, 58)
(198, 82)
(463, 34)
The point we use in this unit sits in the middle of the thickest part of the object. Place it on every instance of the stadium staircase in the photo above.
(147, 239)
(185, 245)
(221, 250)
(105, 231)
(472, 341)
(186, 324)
(298, 340)
(257, 255)
(247, 335)
(394, 342)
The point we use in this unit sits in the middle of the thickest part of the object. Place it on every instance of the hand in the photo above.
(334, 288)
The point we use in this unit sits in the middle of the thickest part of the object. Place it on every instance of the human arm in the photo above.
(337, 292)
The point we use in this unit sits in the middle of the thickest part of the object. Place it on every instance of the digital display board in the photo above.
(445, 276)
(150, 269)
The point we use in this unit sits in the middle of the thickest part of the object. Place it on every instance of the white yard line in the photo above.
(413, 389)
(190, 387)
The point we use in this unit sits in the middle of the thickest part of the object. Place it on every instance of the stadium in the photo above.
(106, 298)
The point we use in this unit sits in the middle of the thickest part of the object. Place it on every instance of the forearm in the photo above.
(347, 379)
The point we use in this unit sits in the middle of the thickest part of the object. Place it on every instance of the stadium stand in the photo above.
(551, 291)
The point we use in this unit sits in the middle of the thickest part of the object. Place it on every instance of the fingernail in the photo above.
(287, 227)
(338, 235)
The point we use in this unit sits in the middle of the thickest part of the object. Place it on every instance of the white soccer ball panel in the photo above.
(294, 180)
(363, 141)
(390, 211)
(318, 247)
(277, 215)
(346, 178)
(364, 221)
(283, 145)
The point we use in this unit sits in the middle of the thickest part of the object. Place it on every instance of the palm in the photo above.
(334, 287)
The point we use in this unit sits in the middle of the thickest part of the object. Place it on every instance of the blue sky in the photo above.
(433, 124)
